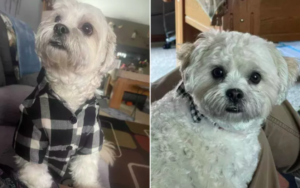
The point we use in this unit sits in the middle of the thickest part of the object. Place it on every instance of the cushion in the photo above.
(29, 80)
(6, 150)
(2, 77)
(4, 49)
(10, 99)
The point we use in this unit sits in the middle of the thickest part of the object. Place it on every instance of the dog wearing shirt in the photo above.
(204, 133)
(59, 130)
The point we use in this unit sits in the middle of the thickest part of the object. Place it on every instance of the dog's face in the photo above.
(75, 37)
(235, 77)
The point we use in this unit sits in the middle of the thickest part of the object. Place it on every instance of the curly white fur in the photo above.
(84, 170)
(108, 153)
(29, 172)
(201, 155)
(74, 74)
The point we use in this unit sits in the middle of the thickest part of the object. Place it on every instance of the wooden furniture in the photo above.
(47, 5)
(275, 20)
(130, 82)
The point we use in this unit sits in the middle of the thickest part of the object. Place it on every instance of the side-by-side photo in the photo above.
(74, 94)
(149, 94)
(225, 94)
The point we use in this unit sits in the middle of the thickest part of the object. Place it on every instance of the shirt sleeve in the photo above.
(91, 139)
(30, 141)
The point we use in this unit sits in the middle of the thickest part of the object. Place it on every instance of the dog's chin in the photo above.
(58, 56)
(230, 113)
(56, 49)
(54, 53)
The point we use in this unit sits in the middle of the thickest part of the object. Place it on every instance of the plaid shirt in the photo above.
(49, 132)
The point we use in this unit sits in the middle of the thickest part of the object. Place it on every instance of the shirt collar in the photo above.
(43, 84)
(41, 79)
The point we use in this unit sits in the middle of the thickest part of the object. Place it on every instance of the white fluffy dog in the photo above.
(75, 61)
(205, 131)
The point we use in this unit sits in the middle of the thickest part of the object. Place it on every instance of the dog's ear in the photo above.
(202, 43)
(288, 71)
(110, 49)
(293, 69)
(185, 54)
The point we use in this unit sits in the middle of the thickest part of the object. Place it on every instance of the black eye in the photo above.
(57, 18)
(87, 29)
(255, 78)
(218, 73)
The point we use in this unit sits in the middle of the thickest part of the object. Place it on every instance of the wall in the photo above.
(131, 10)
(124, 33)
(29, 11)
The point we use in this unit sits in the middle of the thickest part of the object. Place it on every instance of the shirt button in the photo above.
(73, 120)
(69, 148)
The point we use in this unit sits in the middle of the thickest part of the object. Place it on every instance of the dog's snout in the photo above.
(235, 95)
(61, 29)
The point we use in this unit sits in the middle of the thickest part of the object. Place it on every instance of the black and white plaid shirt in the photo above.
(49, 132)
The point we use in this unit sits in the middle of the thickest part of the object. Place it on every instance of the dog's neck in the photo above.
(73, 88)
(249, 127)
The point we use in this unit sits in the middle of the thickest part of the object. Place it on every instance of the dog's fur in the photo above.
(74, 74)
(201, 155)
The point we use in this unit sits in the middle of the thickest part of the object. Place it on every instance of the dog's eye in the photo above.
(218, 73)
(57, 18)
(255, 78)
(87, 29)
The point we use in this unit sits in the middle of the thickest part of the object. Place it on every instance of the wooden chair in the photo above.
(275, 20)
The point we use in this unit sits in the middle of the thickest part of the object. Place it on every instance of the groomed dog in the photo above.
(204, 133)
(76, 46)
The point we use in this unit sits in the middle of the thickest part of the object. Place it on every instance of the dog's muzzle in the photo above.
(60, 32)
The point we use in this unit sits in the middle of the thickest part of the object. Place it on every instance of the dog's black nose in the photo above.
(61, 29)
(234, 95)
